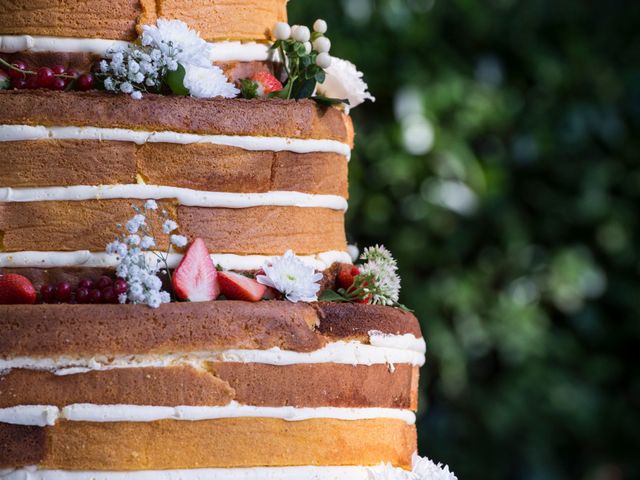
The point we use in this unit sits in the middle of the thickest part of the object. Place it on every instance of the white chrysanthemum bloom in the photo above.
(187, 45)
(289, 275)
(345, 81)
(208, 82)
(425, 469)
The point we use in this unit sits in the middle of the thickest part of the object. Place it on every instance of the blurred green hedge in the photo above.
(500, 163)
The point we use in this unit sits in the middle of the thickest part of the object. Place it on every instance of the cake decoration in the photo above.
(169, 57)
(16, 290)
(343, 80)
(290, 276)
(18, 75)
(235, 286)
(136, 266)
(196, 278)
(376, 281)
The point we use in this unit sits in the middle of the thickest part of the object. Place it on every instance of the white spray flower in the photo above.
(344, 81)
(289, 275)
(175, 39)
(425, 469)
(208, 82)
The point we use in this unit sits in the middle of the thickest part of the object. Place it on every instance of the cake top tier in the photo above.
(246, 20)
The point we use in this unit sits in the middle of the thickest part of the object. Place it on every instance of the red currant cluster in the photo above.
(18, 75)
(104, 290)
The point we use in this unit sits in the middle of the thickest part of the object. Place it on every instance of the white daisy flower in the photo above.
(289, 275)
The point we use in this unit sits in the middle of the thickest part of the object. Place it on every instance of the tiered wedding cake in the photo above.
(104, 372)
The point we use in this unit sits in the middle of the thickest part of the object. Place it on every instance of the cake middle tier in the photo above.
(249, 177)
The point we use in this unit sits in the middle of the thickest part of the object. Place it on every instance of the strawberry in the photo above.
(346, 275)
(16, 289)
(238, 287)
(196, 278)
(260, 85)
(267, 83)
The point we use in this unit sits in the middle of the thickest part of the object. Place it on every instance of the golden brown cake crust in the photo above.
(123, 19)
(49, 330)
(271, 117)
(91, 225)
(228, 442)
(301, 385)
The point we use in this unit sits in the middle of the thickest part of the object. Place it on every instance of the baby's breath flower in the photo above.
(179, 240)
(147, 242)
(151, 205)
(169, 226)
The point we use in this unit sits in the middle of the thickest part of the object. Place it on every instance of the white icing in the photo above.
(21, 43)
(42, 415)
(33, 415)
(255, 473)
(408, 341)
(184, 196)
(86, 259)
(220, 51)
(12, 133)
(350, 353)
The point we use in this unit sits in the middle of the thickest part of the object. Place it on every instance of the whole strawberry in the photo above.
(16, 289)
(260, 85)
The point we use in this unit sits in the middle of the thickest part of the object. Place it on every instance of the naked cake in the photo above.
(177, 296)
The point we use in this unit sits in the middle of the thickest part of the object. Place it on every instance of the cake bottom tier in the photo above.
(227, 442)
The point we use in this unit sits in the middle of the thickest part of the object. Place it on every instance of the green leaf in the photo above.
(175, 81)
(248, 88)
(332, 296)
(326, 101)
(303, 88)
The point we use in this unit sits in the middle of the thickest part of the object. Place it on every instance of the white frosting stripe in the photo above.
(185, 196)
(44, 415)
(86, 259)
(341, 352)
(255, 473)
(12, 133)
(220, 51)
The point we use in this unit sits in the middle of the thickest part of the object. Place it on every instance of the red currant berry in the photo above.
(33, 82)
(58, 84)
(48, 293)
(20, 65)
(45, 77)
(86, 283)
(109, 295)
(72, 72)
(82, 295)
(85, 82)
(18, 83)
(104, 282)
(63, 292)
(95, 296)
(58, 69)
(120, 286)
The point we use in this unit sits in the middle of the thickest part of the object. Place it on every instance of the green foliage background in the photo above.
(500, 164)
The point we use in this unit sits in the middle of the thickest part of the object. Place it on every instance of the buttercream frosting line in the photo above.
(341, 352)
(13, 133)
(184, 196)
(87, 259)
(250, 473)
(48, 415)
(220, 51)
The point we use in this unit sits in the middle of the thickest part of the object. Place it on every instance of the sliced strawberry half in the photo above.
(196, 278)
(346, 275)
(238, 287)
(16, 289)
(267, 83)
